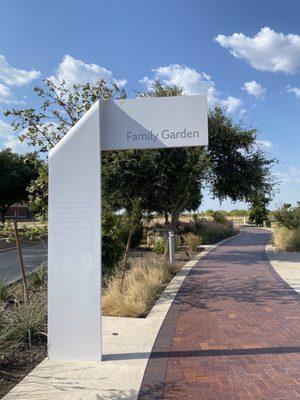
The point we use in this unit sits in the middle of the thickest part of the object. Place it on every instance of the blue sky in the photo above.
(244, 54)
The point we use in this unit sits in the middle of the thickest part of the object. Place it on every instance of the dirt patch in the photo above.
(19, 365)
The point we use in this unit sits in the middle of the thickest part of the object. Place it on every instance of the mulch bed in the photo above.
(19, 365)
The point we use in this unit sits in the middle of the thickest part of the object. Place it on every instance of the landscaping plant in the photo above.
(192, 241)
(141, 286)
(159, 245)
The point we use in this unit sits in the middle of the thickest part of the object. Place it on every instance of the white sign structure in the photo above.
(74, 244)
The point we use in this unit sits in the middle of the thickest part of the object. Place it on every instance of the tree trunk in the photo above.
(175, 216)
(166, 218)
(21, 262)
(135, 208)
(130, 232)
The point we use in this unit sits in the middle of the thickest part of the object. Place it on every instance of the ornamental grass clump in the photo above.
(39, 276)
(287, 239)
(5, 292)
(141, 286)
(27, 323)
(192, 241)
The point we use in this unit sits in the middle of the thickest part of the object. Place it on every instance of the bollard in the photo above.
(171, 248)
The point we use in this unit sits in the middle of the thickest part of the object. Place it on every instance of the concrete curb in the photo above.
(127, 345)
(285, 267)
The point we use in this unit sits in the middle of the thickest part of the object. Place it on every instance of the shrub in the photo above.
(141, 287)
(112, 246)
(210, 232)
(159, 246)
(39, 276)
(192, 241)
(220, 217)
(288, 216)
(287, 239)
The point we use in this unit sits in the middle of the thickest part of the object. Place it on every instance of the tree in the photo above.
(231, 166)
(60, 109)
(258, 212)
(166, 181)
(178, 173)
(16, 173)
(238, 168)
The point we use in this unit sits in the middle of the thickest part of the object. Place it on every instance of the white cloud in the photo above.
(294, 90)
(255, 89)
(292, 176)
(232, 103)
(16, 77)
(76, 71)
(193, 82)
(8, 138)
(5, 94)
(265, 143)
(266, 51)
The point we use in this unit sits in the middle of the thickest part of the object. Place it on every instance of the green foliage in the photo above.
(137, 234)
(288, 216)
(61, 107)
(17, 171)
(39, 276)
(192, 241)
(27, 323)
(258, 212)
(5, 292)
(238, 213)
(237, 167)
(159, 246)
(209, 212)
(195, 217)
(163, 180)
(209, 232)
(38, 193)
(26, 232)
(6, 343)
(220, 217)
(112, 246)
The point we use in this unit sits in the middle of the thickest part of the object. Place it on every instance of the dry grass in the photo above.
(287, 240)
(141, 286)
(193, 241)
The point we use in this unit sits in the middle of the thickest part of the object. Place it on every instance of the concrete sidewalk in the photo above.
(287, 266)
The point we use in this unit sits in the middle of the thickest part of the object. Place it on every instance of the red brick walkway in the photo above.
(233, 331)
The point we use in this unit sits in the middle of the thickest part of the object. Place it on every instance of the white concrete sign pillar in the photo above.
(74, 243)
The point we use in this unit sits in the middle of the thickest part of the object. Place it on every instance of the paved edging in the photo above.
(285, 267)
(127, 345)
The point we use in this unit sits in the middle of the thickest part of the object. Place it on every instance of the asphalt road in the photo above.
(33, 255)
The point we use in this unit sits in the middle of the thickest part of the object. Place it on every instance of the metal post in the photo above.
(171, 248)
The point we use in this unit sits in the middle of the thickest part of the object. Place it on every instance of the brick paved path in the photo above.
(233, 331)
